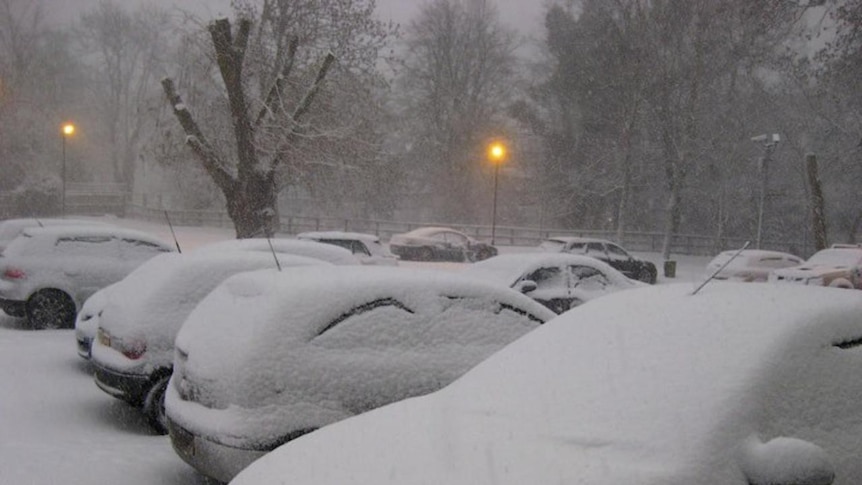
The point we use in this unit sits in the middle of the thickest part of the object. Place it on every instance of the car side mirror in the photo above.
(785, 461)
(526, 286)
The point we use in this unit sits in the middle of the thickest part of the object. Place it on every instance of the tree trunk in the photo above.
(818, 217)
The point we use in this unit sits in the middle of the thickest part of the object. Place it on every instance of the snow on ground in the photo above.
(56, 426)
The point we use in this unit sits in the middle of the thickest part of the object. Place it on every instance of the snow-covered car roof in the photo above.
(509, 268)
(152, 302)
(647, 387)
(11, 228)
(24, 243)
(427, 232)
(311, 249)
(315, 235)
(571, 239)
(746, 257)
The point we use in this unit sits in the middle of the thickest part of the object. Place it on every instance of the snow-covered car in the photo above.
(439, 244)
(86, 324)
(607, 251)
(738, 384)
(749, 264)
(47, 273)
(267, 356)
(310, 249)
(134, 347)
(838, 267)
(559, 281)
(12, 228)
(366, 247)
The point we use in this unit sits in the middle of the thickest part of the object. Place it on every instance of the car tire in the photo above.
(558, 306)
(51, 308)
(647, 276)
(841, 283)
(154, 406)
(426, 254)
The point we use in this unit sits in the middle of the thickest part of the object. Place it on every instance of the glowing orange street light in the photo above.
(497, 155)
(67, 130)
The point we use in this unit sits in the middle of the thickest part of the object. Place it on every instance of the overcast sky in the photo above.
(524, 15)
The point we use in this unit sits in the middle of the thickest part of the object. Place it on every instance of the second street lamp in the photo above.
(68, 129)
(496, 155)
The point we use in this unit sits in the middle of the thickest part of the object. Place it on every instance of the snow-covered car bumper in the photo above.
(216, 460)
(131, 388)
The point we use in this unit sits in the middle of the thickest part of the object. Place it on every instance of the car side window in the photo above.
(547, 277)
(87, 245)
(617, 253)
(456, 239)
(375, 324)
(134, 248)
(587, 277)
(595, 249)
(577, 248)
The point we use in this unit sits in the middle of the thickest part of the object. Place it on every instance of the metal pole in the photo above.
(763, 182)
(494, 215)
(63, 180)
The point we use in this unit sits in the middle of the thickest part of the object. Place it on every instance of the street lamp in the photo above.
(496, 155)
(67, 130)
(769, 144)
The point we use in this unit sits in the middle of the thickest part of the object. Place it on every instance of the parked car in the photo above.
(607, 251)
(12, 228)
(134, 346)
(559, 281)
(86, 324)
(267, 357)
(838, 267)
(310, 249)
(366, 247)
(739, 384)
(439, 244)
(749, 264)
(47, 273)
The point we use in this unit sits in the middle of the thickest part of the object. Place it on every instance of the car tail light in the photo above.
(12, 273)
(133, 349)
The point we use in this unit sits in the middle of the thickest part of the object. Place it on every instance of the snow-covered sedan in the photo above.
(749, 264)
(366, 247)
(439, 244)
(560, 281)
(47, 273)
(838, 267)
(267, 356)
(134, 346)
(739, 384)
(607, 251)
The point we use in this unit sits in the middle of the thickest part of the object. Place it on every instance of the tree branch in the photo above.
(275, 93)
(196, 140)
(305, 104)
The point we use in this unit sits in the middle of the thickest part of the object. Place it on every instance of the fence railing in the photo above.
(635, 241)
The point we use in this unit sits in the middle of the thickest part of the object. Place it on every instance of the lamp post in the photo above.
(67, 130)
(769, 144)
(496, 155)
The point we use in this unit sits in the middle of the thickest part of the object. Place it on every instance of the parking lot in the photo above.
(58, 427)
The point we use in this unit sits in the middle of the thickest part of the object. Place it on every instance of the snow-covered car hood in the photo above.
(811, 271)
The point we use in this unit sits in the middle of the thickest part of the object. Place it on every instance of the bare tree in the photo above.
(126, 50)
(455, 85)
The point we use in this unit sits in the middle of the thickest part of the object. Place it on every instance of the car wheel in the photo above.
(841, 283)
(51, 309)
(154, 406)
(426, 254)
(558, 306)
(647, 276)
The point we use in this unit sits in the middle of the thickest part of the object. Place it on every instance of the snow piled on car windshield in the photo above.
(280, 342)
(684, 382)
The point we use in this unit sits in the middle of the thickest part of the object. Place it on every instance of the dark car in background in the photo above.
(439, 244)
(607, 251)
